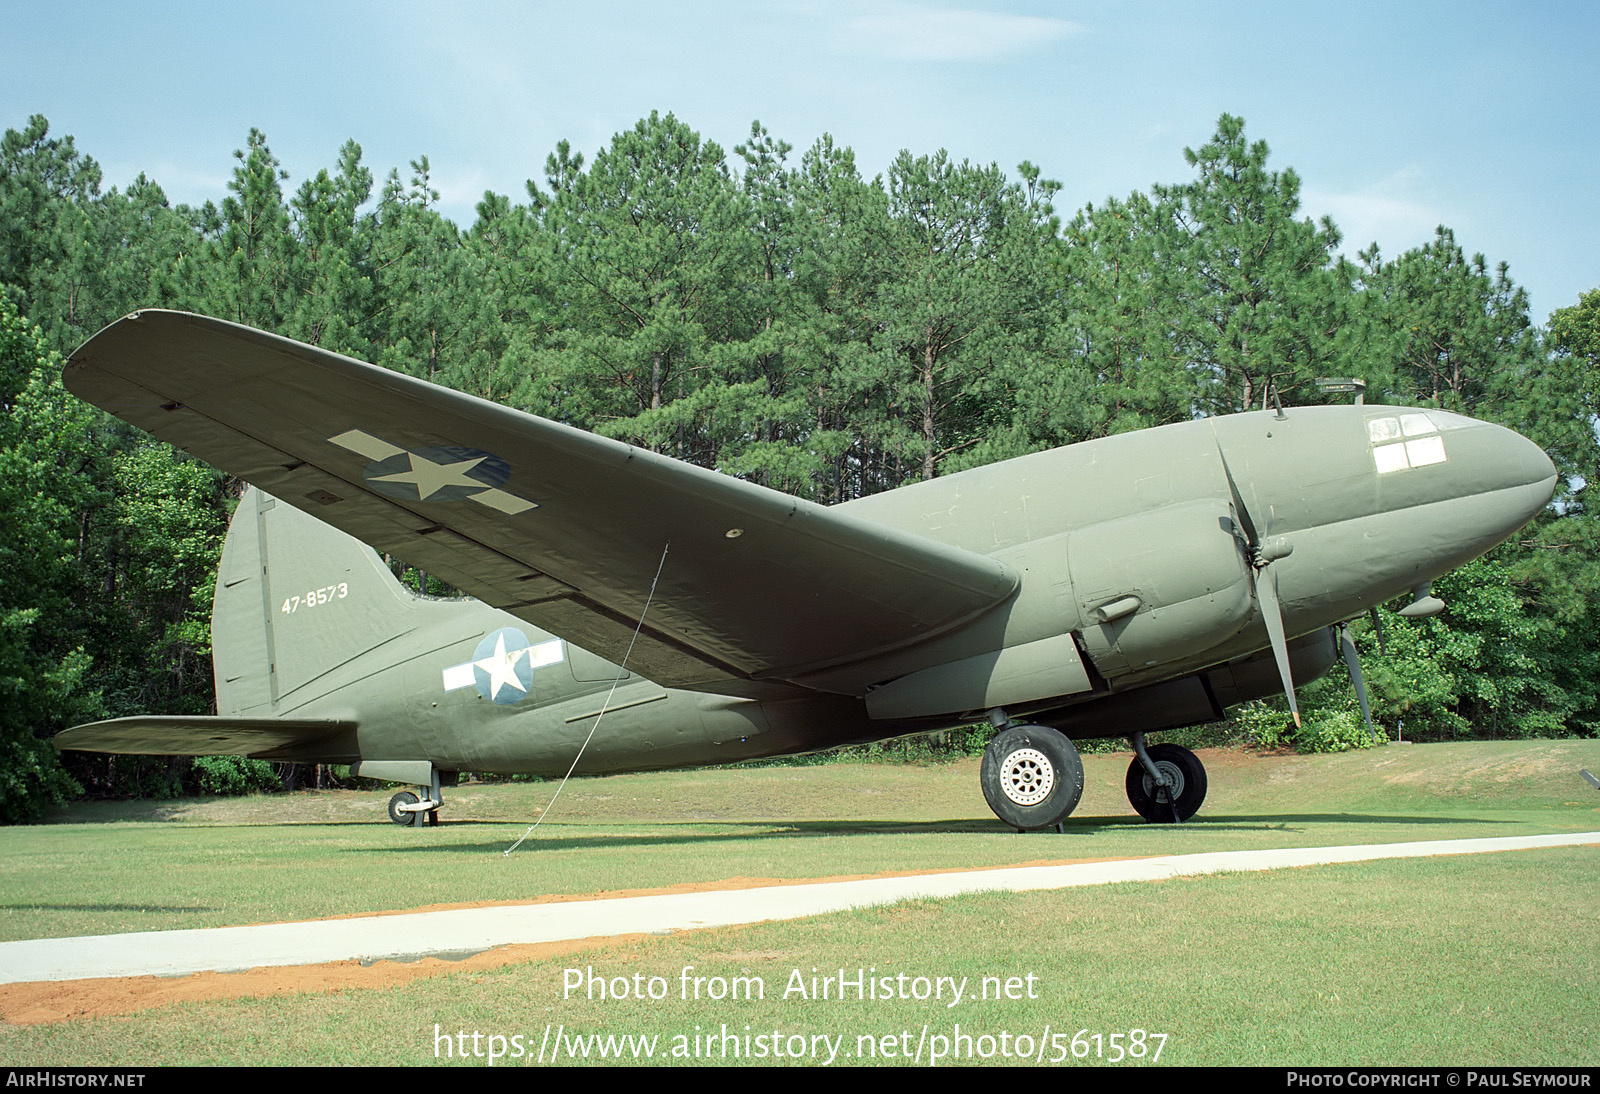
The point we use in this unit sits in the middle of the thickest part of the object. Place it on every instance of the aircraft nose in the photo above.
(1506, 461)
(1532, 465)
(1490, 480)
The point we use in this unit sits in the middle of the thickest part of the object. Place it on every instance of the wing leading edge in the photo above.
(562, 528)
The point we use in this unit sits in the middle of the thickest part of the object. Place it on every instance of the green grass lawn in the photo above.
(1474, 959)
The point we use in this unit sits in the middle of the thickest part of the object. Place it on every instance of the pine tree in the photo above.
(1252, 303)
(647, 254)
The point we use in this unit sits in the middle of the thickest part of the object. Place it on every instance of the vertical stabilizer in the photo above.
(295, 601)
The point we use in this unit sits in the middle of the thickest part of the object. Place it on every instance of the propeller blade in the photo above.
(1263, 553)
(1245, 523)
(1267, 596)
(1377, 627)
(1352, 662)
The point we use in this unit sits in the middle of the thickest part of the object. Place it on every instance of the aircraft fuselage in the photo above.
(1152, 529)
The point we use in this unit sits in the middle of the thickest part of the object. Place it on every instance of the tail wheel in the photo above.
(1032, 777)
(1168, 805)
(399, 816)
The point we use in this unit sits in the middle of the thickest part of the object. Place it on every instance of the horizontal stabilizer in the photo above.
(312, 741)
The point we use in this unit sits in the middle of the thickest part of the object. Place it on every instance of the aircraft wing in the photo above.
(560, 527)
(201, 735)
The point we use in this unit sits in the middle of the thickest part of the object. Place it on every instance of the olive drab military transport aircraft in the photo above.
(1112, 588)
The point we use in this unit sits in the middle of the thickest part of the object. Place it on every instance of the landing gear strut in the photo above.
(1032, 776)
(1166, 783)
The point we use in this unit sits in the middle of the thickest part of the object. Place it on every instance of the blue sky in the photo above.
(1397, 116)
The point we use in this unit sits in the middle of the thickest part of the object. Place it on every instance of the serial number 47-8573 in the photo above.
(315, 598)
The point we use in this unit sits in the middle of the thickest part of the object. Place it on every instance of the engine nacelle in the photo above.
(1160, 587)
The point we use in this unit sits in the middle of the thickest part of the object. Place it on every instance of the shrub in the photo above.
(1334, 730)
(1264, 724)
(233, 775)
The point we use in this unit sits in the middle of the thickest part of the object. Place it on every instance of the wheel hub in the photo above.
(1171, 792)
(1027, 776)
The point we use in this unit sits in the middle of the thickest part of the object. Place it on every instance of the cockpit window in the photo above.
(1444, 420)
(1410, 440)
(1417, 425)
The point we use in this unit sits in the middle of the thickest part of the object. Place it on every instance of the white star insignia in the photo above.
(501, 665)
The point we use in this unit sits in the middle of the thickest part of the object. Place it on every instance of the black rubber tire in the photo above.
(1150, 802)
(1032, 777)
(405, 797)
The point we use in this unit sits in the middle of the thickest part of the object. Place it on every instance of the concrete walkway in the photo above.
(472, 930)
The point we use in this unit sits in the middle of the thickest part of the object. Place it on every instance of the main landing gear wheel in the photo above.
(1162, 804)
(405, 817)
(1032, 777)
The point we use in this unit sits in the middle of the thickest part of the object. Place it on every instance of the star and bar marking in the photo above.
(502, 666)
(441, 473)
